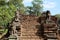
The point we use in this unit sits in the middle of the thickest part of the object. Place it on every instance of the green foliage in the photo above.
(58, 15)
(37, 6)
(7, 11)
(6, 14)
(17, 3)
(29, 9)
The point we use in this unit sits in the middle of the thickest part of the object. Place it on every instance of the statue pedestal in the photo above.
(12, 37)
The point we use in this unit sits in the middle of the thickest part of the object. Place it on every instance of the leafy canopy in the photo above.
(7, 10)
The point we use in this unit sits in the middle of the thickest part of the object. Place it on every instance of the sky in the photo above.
(52, 5)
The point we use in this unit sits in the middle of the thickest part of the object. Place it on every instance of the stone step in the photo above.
(30, 37)
(49, 32)
(52, 37)
(30, 31)
(50, 29)
(27, 28)
(28, 34)
(49, 35)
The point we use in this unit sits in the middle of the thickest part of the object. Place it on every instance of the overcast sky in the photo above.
(52, 5)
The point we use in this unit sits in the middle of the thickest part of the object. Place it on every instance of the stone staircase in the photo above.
(29, 28)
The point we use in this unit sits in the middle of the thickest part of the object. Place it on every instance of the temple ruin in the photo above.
(31, 27)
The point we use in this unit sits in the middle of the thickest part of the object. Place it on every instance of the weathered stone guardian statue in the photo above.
(47, 21)
(48, 15)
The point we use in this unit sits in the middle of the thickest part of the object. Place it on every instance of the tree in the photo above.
(58, 16)
(37, 6)
(29, 9)
(7, 10)
(17, 3)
